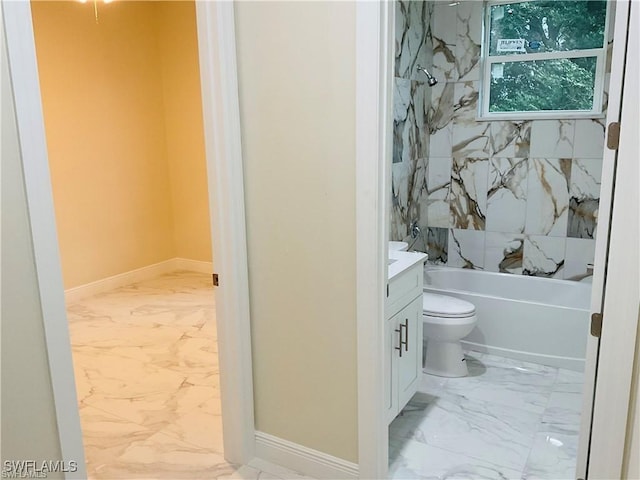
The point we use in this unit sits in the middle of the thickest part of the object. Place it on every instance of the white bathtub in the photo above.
(540, 320)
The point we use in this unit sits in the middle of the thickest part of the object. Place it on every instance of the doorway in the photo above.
(121, 97)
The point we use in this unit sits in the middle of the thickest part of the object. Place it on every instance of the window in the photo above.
(543, 57)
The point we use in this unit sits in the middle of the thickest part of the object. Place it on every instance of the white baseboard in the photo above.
(138, 275)
(307, 461)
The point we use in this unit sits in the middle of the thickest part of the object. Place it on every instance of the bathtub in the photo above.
(540, 320)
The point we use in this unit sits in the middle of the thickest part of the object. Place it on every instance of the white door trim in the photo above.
(374, 57)
(26, 91)
(221, 110)
(216, 37)
(621, 294)
(602, 236)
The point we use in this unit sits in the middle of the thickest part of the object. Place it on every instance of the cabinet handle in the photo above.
(400, 342)
(404, 342)
(406, 334)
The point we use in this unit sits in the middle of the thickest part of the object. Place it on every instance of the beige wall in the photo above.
(29, 429)
(120, 161)
(178, 42)
(296, 83)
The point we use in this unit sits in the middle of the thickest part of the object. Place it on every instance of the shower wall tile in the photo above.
(470, 137)
(589, 138)
(444, 41)
(468, 204)
(441, 142)
(510, 139)
(441, 106)
(548, 197)
(517, 197)
(410, 133)
(579, 253)
(438, 245)
(466, 249)
(438, 187)
(412, 21)
(544, 256)
(469, 29)
(507, 196)
(552, 138)
(584, 197)
(399, 225)
(504, 252)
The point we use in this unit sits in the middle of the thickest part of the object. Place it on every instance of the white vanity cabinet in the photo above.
(403, 353)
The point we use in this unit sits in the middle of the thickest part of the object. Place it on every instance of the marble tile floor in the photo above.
(507, 420)
(146, 366)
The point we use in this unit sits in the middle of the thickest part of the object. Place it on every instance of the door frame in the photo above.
(216, 41)
(620, 306)
(374, 40)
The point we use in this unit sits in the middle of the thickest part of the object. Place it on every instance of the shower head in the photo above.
(431, 80)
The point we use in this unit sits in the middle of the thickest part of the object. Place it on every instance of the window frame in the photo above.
(487, 61)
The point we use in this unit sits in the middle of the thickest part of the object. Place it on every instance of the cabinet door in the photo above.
(391, 369)
(410, 363)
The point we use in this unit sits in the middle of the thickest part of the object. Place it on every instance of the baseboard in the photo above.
(138, 275)
(193, 265)
(301, 459)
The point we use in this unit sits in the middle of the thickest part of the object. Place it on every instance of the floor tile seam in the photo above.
(150, 430)
(530, 411)
(465, 454)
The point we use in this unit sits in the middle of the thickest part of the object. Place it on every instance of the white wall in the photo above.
(29, 428)
(296, 65)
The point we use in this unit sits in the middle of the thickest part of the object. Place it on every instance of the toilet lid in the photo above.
(446, 306)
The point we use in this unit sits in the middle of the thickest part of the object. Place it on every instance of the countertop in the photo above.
(402, 261)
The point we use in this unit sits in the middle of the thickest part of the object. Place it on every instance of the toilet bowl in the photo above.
(446, 321)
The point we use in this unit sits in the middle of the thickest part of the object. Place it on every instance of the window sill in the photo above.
(521, 117)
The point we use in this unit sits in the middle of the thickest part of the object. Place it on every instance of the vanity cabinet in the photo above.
(403, 332)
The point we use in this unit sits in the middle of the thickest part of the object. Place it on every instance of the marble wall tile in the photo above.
(544, 256)
(507, 196)
(441, 108)
(510, 139)
(410, 133)
(438, 187)
(466, 249)
(504, 252)
(579, 253)
(408, 197)
(548, 196)
(437, 245)
(469, 29)
(399, 227)
(552, 138)
(411, 31)
(441, 142)
(584, 197)
(470, 137)
(468, 204)
(443, 30)
(589, 138)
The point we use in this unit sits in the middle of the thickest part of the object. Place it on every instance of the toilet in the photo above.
(446, 320)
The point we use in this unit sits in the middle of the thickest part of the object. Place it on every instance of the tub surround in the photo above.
(518, 197)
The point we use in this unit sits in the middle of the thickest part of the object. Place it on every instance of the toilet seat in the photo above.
(444, 306)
